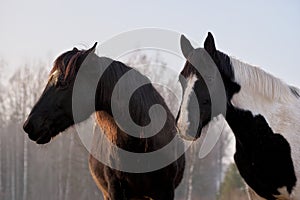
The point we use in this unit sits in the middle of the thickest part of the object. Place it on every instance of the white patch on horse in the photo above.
(53, 78)
(252, 195)
(284, 194)
(183, 120)
(262, 93)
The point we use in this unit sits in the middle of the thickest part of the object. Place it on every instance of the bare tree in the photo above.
(2, 120)
(24, 88)
(69, 167)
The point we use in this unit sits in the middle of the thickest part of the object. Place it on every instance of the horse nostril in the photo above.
(28, 127)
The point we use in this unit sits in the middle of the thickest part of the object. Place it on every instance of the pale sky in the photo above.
(263, 33)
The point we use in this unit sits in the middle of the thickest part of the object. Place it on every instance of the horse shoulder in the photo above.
(107, 125)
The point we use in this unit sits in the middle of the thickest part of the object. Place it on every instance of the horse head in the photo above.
(222, 61)
(52, 113)
(199, 80)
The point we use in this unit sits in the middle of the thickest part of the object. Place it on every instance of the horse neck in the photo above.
(139, 105)
(246, 126)
(235, 117)
(113, 87)
(106, 85)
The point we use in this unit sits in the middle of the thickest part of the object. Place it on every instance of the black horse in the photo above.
(262, 156)
(53, 114)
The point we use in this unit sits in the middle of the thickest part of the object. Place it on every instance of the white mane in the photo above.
(255, 80)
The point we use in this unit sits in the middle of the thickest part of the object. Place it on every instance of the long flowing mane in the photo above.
(257, 80)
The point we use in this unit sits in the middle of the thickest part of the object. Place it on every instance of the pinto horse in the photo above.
(268, 162)
(53, 114)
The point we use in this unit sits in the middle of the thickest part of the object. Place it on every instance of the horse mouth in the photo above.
(45, 134)
(43, 138)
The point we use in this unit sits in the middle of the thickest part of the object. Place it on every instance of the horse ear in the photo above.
(186, 46)
(82, 57)
(93, 48)
(75, 49)
(209, 44)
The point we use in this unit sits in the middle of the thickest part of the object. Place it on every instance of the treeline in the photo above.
(58, 170)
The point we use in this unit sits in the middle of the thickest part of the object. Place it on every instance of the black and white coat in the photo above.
(259, 105)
